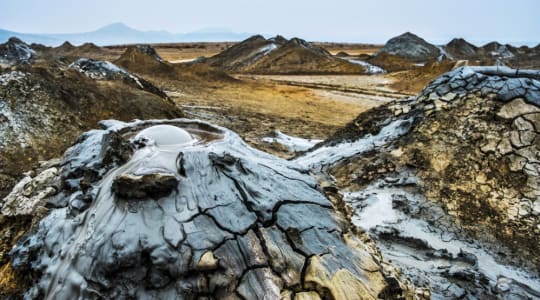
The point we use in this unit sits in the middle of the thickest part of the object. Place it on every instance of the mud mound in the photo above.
(454, 175)
(65, 47)
(45, 108)
(104, 70)
(257, 55)
(183, 209)
(497, 50)
(89, 47)
(244, 53)
(278, 39)
(63, 50)
(461, 49)
(150, 51)
(145, 61)
(496, 53)
(410, 47)
(408, 50)
(15, 51)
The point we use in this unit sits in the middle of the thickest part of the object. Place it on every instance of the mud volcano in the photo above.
(447, 182)
(183, 209)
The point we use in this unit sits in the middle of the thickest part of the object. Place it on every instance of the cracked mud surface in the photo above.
(229, 222)
(466, 170)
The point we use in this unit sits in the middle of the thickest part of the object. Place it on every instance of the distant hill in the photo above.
(119, 33)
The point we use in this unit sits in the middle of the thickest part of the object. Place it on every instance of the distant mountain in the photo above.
(119, 33)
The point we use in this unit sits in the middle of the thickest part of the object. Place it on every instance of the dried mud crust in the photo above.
(474, 145)
(239, 224)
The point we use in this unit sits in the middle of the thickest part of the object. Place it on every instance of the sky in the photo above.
(376, 21)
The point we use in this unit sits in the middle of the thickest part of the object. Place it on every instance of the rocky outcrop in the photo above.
(411, 47)
(104, 70)
(258, 55)
(447, 182)
(228, 222)
(15, 51)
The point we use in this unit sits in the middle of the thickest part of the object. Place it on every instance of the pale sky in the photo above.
(507, 21)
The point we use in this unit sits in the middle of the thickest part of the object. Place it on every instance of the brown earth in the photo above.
(45, 106)
(414, 80)
(254, 108)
